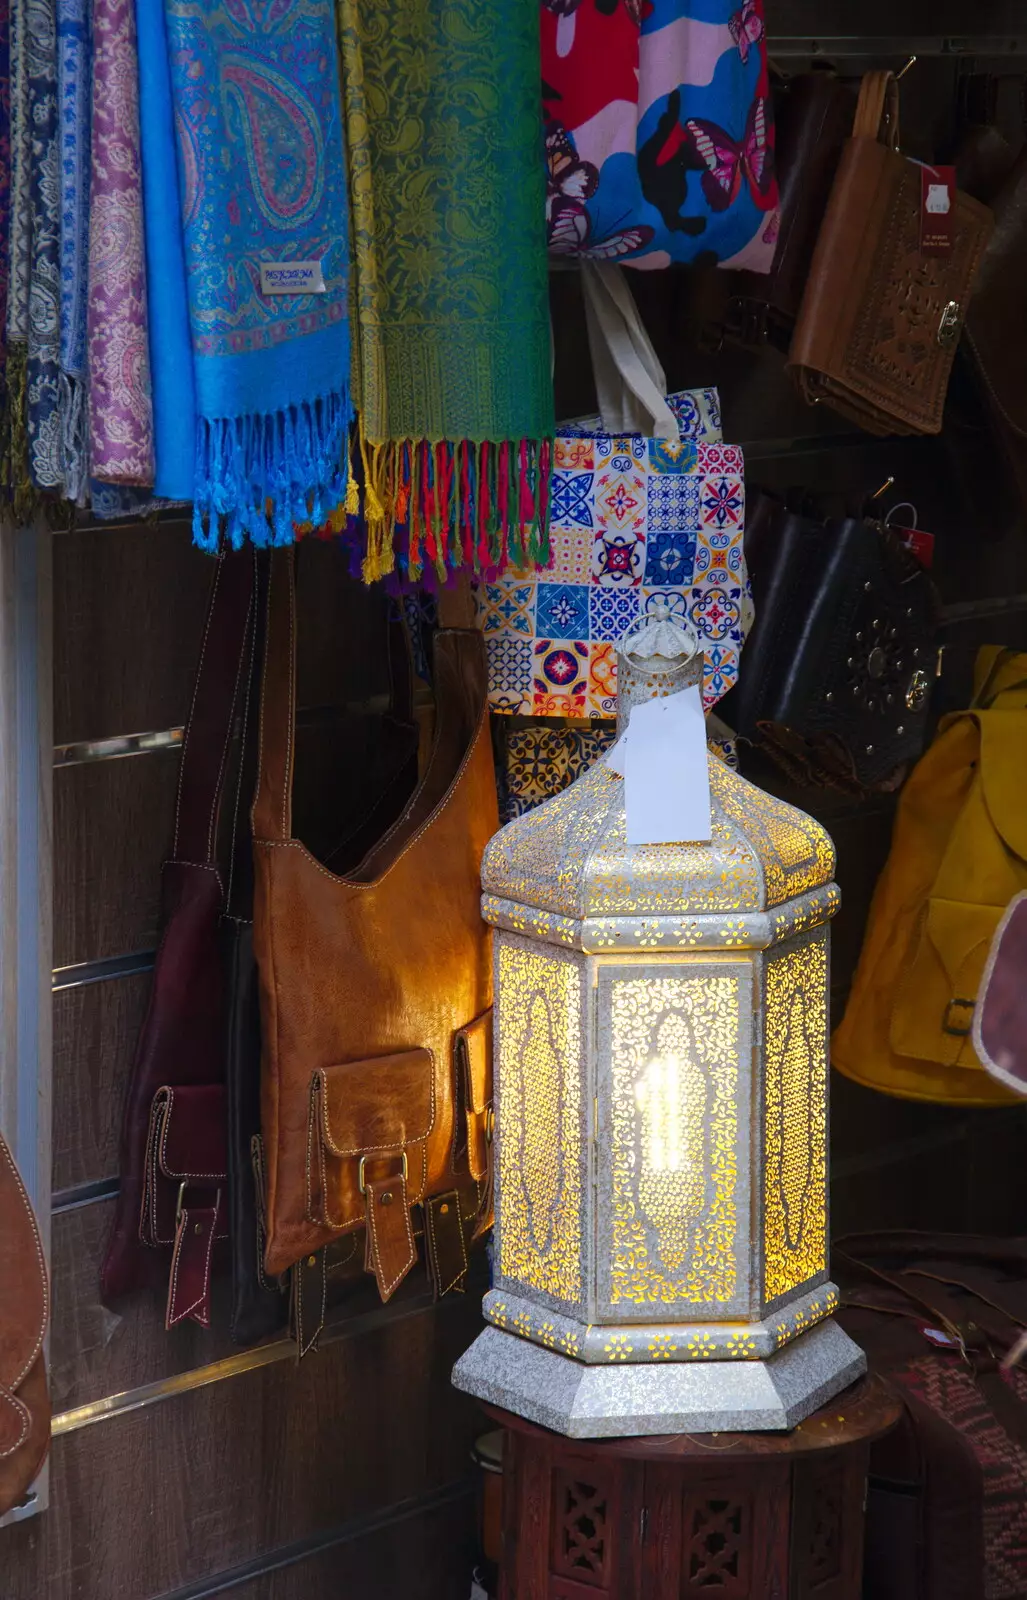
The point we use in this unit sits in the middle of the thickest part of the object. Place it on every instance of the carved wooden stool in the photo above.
(730, 1516)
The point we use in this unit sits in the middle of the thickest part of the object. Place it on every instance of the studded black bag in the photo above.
(835, 680)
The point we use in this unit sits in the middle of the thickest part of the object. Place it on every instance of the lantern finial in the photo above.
(658, 655)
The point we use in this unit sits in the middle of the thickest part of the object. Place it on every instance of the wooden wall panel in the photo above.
(96, 1350)
(164, 1497)
(340, 627)
(129, 605)
(113, 824)
(906, 1164)
(95, 1031)
(434, 1552)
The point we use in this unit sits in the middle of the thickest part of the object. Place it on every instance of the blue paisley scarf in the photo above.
(256, 94)
(171, 360)
(74, 92)
(20, 236)
(45, 443)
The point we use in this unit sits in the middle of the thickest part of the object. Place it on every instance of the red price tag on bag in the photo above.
(916, 541)
(937, 210)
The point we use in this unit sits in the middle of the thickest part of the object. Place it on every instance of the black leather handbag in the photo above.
(836, 677)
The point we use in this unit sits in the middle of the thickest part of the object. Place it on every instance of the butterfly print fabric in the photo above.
(659, 131)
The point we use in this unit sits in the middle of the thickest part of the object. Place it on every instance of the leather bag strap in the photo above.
(239, 889)
(877, 110)
(272, 805)
(208, 733)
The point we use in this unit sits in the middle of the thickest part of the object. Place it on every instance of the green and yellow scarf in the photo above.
(451, 347)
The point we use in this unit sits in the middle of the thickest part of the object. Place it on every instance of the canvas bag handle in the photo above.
(630, 382)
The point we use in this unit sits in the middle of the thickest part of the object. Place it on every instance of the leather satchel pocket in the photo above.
(185, 1152)
(474, 1066)
(368, 1119)
(184, 1192)
(367, 1154)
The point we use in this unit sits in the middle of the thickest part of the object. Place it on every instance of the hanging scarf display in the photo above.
(19, 239)
(5, 165)
(5, 233)
(120, 408)
(257, 108)
(18, 245)
(43, 419)
(453, 349)
(171, 361)
(659, 131)
(74, 92)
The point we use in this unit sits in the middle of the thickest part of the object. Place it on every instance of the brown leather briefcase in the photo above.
(24, 1312)
(375, 990)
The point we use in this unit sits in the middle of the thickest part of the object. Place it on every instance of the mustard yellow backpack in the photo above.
(958, 855)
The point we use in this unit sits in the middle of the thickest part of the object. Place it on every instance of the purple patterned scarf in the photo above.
(5, 168)
(120, 407)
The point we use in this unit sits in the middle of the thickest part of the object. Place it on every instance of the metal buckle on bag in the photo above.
(180, 1202)
(949, 1027)
(490, 1125)
(948, 327)
(360, 1170)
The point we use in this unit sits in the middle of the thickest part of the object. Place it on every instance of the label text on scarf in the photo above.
(291, 277)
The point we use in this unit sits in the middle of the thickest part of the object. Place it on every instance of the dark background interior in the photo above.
(350, 1474)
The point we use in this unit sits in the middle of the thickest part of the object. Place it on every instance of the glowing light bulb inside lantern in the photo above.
(658, 1093)
(670, 1096)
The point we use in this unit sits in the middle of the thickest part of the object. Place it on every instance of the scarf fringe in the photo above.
(25, 497)
(264, 477)
(74, 417)
(443, 507)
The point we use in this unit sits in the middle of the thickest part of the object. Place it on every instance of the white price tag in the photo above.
(666, 773)
(291, 277)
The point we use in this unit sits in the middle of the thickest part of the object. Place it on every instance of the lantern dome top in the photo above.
(570, 855)
(569, 858)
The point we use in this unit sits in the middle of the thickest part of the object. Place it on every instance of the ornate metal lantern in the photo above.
(661, 1128)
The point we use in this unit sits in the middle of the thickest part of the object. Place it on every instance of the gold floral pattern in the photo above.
(692, 1208)
(795, 1117)
(539, 1190)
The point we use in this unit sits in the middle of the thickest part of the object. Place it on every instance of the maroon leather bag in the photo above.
(172, 1205)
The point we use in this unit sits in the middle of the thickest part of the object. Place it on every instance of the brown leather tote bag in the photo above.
(374, 987)
(24, 1312)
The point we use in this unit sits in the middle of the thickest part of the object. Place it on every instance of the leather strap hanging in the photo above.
(173, 1193)
(366, 979)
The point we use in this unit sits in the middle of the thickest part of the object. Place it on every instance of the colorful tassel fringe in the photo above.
(443, 507)
(261, 477)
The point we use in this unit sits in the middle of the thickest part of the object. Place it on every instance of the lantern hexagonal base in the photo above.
(633, 1399)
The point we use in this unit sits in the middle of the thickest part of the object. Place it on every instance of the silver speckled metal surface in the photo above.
(625, 1401)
